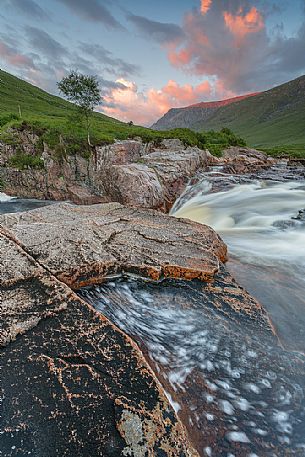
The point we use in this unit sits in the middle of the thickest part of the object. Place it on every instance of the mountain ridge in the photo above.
(269, 118)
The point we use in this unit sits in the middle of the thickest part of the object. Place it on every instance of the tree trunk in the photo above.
(88, 130)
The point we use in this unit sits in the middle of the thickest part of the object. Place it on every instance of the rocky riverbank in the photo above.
(130, 172)
(71, 382)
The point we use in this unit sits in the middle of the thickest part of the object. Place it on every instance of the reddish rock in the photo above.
(245, 160)
(130, 172)
(80, 245)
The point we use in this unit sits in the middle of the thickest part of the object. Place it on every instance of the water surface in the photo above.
(265, 234)
(15, 205)
(239, 394)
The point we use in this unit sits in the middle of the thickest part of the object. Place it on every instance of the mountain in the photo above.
(270, 118)
(188, 116)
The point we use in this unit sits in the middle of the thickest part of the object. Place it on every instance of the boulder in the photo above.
(135, 184)
(239, 160)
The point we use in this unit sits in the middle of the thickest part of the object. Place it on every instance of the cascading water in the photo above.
(237, 391)
(263, 224)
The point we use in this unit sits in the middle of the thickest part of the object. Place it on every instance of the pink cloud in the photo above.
(15, 59)
(242, 23)
(205, 6)
(228, 45)
(144, 108)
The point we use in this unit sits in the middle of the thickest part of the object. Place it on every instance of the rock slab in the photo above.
(71, 383)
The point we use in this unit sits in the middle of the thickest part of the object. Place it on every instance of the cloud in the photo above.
(229, 41)
(164, 33)
(205, 6)
(43, 42)
(106, 60)
(92, 10)
(14, 58)
(242, 23)
(30, 8)
(128, 103)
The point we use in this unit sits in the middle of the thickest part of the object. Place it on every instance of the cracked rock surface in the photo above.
(71, 383)
(81, 245)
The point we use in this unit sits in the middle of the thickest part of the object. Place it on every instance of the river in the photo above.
(261, 224)
(238, 393)
(14, 205)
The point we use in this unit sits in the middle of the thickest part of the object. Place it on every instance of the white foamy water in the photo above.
(244, 394)
(255, 219)
(266, 245)
(5, 198)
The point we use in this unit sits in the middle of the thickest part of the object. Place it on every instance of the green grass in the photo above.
(275, 118)
(293, 150)
(23, 161)
(57, 123)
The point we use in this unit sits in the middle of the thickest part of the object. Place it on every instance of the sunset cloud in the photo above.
(128, 103)
(231, 45)
(205, 6)
(242, 23)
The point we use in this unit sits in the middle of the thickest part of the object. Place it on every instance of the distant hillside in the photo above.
(187, 116)
(274, 117)
(57, 116)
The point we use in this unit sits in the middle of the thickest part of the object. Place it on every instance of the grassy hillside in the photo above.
(55, 120)
(38, 108)
(272, 118)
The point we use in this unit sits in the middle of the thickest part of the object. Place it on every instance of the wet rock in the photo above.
(300, 216)
(71, 383)
(284, 225)
(81, 245)
(245, 160)
(129, 172)
(296, 161)
(215, 354)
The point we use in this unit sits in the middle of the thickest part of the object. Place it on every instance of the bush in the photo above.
(22, 161)
(8, 118)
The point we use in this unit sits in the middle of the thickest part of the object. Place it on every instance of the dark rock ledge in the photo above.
(73, 384)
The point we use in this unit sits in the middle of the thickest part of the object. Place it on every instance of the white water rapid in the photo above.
(5, 198)
(266, 245)
(238, 392)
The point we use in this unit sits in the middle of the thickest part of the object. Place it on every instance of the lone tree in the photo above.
(83, 90)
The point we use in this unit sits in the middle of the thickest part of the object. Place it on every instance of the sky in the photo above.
(153, 55)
